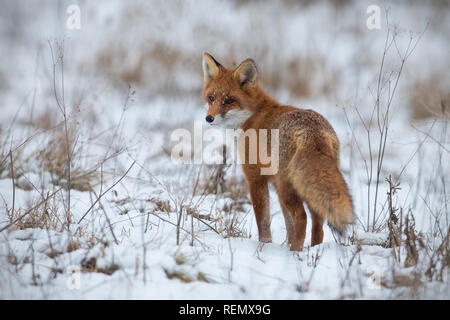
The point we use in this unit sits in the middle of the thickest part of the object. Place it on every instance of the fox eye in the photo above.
(228, 101)
(211, 98)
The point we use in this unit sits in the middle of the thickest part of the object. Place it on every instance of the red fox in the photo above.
(308, 154)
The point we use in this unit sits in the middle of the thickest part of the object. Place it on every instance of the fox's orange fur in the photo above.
(308, 153)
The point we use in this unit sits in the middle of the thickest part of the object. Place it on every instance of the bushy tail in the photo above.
(317, 179)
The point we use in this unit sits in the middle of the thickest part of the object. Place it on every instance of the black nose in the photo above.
(209, 119)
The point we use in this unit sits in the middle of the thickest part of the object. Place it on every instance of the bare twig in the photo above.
(13, 182)
(102, 194)
(31, 210)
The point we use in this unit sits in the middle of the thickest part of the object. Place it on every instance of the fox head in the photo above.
(231, 94)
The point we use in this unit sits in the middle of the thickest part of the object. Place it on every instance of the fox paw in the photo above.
(265, 239)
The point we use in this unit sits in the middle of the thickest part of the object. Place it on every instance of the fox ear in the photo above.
(246, 73)
(211, 67)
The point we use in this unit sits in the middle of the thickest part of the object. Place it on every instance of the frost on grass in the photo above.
(94, 207)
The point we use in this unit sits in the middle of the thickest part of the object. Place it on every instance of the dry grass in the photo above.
(440, 261)
(161, 205)
(215, 180)
(303, 77)
(45, 120)
(413, 250)
(430, 97)
(306, 76)
(90, 265)
(53, 159)
(185, 278)
(46, 216)
(301, 3)
(3, 153)
(159, 59)
(156, 62)
(229, 220)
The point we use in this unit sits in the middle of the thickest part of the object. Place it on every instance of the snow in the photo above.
(132, 231)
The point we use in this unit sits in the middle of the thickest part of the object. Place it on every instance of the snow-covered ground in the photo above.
(138, 225)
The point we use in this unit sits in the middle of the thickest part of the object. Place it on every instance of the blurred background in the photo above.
(305, 50)
(91, 104)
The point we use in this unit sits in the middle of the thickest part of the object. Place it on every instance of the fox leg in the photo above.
(289, 221)
(294, 215)
(299, 214)
(259, 193)
(317, 229)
